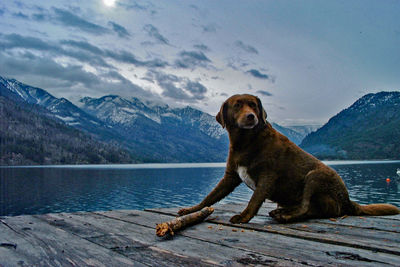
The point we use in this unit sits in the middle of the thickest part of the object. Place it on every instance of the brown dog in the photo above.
(278, 170)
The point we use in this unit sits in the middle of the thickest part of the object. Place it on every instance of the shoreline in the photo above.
(184, 165)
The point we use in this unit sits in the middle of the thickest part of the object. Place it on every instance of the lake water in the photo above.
(36, 190)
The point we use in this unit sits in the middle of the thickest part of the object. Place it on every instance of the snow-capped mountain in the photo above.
(152, 133)
(118, 111)
(368, 129)
(161, 131)
(60, 108)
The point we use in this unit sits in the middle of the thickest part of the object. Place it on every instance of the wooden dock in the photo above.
(127, 238)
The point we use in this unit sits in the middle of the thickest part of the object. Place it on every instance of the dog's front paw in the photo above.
(238, 219)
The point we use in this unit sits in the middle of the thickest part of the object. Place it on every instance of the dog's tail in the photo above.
(375, 209)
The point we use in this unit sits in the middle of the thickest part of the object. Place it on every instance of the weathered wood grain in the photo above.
(138, 241)
(39, 244)
(127, 238)
(271, 244)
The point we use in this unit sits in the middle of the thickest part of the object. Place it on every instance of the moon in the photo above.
(109, 3)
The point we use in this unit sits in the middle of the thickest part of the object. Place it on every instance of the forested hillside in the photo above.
(28, 136)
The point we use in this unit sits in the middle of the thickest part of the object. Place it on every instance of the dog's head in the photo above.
(242, 111)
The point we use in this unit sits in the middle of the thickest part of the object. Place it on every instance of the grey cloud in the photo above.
(121, 56)
(68, 76)
(71, 20)
(133, 5)
(202, 47)
(128, 57)
(120, 30)
(83, 45)
(39, 17)
(19, 4)
(192, 59)
(245, 47)
(178, 88)
(47, 67)
(84, 51)
(264, 93)
(196, 89)
(20, 15)
(155, 34)
(257, 74)
(17, 41)
(210, 28)
(237, 63)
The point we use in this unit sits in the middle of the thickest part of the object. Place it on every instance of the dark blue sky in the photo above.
(307, 60)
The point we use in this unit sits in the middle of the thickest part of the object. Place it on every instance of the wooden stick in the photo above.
(181, 222)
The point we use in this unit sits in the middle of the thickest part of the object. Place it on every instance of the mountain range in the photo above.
(368, 129)
(139, 130)
(132, 130)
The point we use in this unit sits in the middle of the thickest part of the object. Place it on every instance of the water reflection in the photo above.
(44, 190)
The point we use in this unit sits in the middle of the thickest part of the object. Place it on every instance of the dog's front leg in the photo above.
(227, 184)
(264, 190)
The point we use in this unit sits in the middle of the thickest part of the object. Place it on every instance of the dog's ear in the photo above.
(222, 114)
(263, 114)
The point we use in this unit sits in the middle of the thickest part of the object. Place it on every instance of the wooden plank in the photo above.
(138, 241)
(381, 223)
(39, 244)
(269, 243)
(371, 239)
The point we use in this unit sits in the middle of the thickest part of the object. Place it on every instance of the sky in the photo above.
(306, 60)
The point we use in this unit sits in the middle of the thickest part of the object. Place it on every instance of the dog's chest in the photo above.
(244, 175)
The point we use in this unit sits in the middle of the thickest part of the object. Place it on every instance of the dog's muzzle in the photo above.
(248, 121)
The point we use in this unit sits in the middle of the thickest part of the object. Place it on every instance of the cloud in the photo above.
(248, 48)
(155, 34)
(120, 30)
(79, 50)
(83, 45)
(210, 28)
(264, 93)
(257, 74)
(128, 57)
(2, 11)
(68, 76)
(133, 5)
(192, 59)
(202, 47)
(29, 64)
(196, 89)
(11, 41)
(40, 17)
(120, 56)
(20, 15)
(177, 88)
(71, 20)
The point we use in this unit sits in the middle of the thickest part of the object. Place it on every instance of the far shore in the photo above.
(185, 165)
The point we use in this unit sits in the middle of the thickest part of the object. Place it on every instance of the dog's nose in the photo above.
(250, 116)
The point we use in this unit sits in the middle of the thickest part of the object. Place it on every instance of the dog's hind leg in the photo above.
(304, 209)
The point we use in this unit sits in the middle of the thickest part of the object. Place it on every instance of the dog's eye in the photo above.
(236, 105)
(252, 105)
